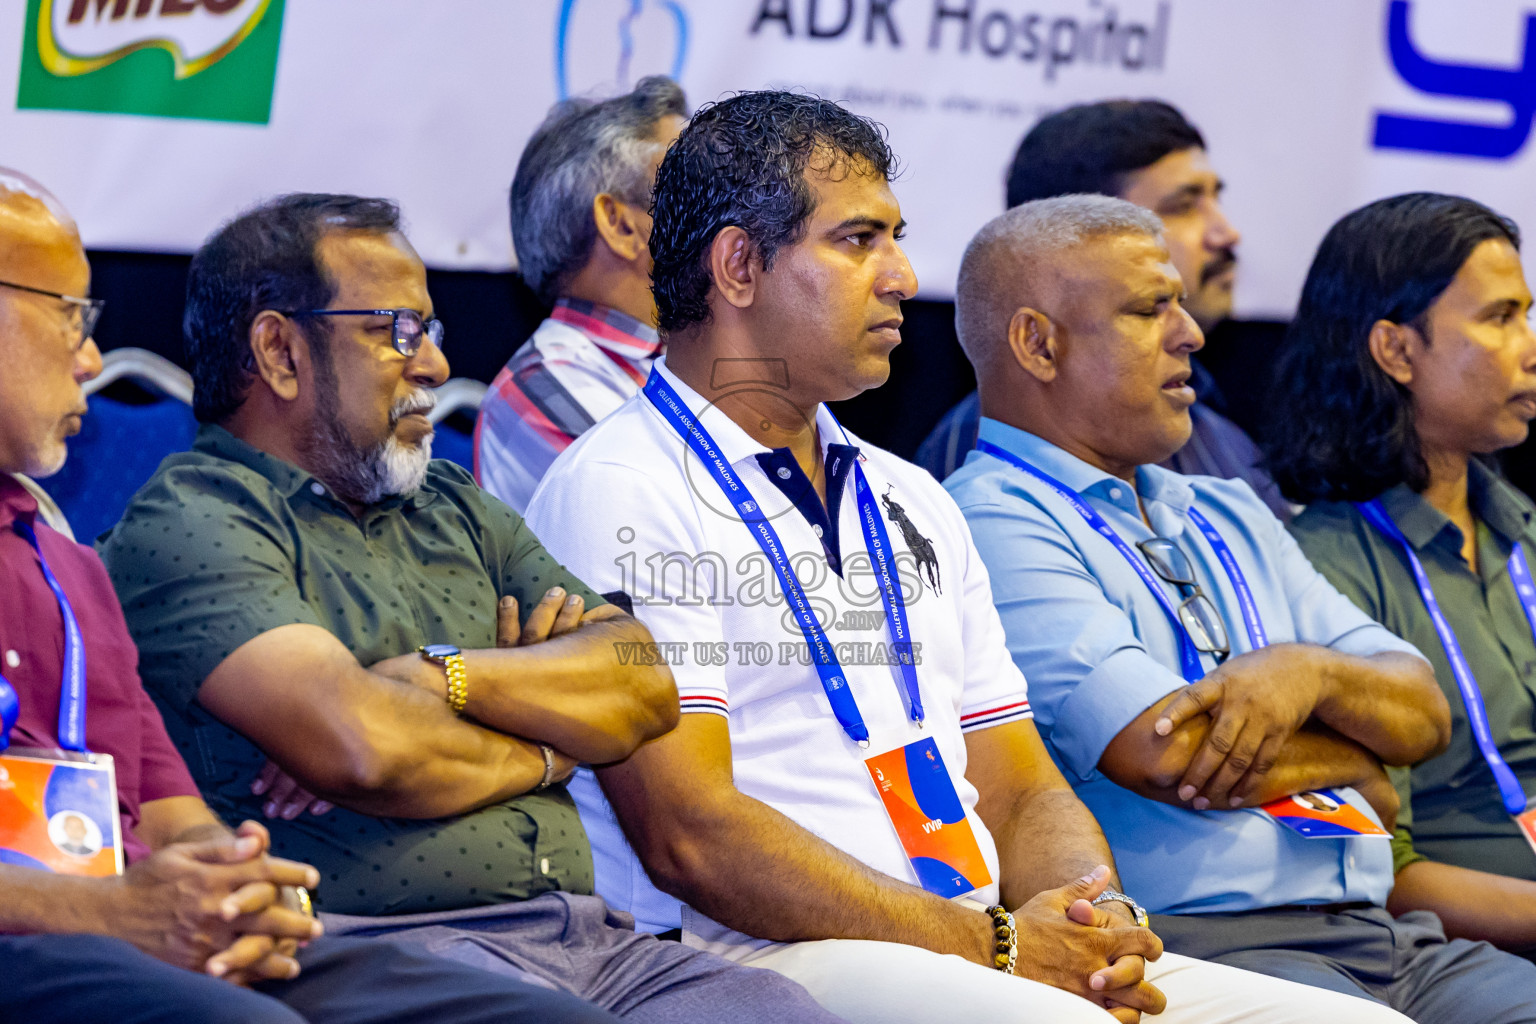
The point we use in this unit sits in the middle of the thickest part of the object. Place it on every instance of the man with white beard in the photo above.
(306, 585)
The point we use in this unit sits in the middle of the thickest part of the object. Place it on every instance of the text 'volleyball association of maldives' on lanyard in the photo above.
(1189, 655)
(72, 688)
(876, 542)
(1511, 793)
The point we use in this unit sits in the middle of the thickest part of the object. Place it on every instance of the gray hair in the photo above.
(1013, 250)
(583, 149)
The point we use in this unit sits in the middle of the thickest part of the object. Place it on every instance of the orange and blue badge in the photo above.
(58, 812)
(1323, 814)
(922, 803)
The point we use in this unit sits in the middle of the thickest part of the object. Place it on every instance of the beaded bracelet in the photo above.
(1007, 940)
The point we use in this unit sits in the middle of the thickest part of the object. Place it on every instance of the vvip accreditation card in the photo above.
(58, 812)
(934, 831)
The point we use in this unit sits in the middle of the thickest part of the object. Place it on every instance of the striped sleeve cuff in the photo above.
(995, 714)
(710, 703)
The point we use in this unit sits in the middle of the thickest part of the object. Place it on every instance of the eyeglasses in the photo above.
(407, 330)
(1197, 613)
(84, 313)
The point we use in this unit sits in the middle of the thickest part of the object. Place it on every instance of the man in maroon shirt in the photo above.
(198, 902)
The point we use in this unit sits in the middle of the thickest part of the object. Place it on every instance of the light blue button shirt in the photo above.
(1098, 650)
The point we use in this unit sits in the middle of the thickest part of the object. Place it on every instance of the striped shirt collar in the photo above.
(610, 329)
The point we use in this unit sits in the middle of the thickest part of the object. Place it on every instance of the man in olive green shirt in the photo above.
(1451, 811)
(282, 577)
(1413, 354)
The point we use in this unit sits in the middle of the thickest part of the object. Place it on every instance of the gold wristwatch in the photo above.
(452, 660)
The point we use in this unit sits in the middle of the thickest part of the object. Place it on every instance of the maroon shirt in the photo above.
(120, 719)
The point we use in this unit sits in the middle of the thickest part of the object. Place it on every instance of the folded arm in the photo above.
(572, 691)
(1386, 702)
(359, 738)
(1314, 757)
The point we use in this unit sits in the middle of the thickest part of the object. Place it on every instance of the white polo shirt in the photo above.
(629, 507)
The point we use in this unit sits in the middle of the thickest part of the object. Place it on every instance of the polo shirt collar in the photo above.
(1494, 500)
(1153, 483)
(16, 503)
(609, 329)
(288, 479)
(734, 443)
(1505, 510)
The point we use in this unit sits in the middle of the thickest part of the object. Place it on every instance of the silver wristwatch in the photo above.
(1116, 896)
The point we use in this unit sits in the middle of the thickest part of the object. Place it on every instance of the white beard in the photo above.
(397, 468)
(370, 475)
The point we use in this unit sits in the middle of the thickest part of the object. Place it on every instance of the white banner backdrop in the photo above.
(430, 102)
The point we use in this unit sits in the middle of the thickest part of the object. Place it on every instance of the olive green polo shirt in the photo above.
(1456, 814)
(226, 542)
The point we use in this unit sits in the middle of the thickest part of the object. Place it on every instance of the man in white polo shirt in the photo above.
(856, 796)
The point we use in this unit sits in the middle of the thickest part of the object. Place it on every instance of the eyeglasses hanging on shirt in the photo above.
(1197, 612)
(1204, 619)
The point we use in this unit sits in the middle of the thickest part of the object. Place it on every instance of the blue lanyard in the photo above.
(876, 542)
(1189, 655)
(1510, 790)
(1256, 636)
(72, 688)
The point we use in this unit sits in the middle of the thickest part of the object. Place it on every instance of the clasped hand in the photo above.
(217, 906)
(1067, 942)
(1256, 702)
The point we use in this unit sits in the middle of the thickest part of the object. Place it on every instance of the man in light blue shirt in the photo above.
(1187, 665)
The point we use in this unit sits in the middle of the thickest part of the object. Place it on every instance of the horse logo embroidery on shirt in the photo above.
(920, 546)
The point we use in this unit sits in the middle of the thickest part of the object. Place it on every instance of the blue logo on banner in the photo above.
(625, 26)
(1515, 88)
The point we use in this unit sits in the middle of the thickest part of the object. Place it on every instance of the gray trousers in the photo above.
(578, 945)
(1406, 963)
(86, 979)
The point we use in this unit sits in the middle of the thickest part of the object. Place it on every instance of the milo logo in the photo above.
(209, 59)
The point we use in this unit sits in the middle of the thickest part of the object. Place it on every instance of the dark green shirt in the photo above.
(226, 542)
(1457, 816)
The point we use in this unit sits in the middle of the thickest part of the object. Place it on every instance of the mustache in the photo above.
(1225, 260)
(418, 402)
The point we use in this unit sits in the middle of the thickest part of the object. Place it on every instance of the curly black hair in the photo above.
(1343, 430)
(741, 162)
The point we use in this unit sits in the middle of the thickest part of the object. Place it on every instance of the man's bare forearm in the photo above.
(1030, 866)
(1471, 904)
(1317, 758)
(752, 869)
(426, 762)
(34, 902)
(1388, 702)
(1024, 798)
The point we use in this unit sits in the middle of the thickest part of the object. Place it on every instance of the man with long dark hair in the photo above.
(1413, 353)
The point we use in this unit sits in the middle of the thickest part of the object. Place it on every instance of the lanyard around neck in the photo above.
(876, 542)
(72, 687)
(1189, 655)
(1510, 791)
